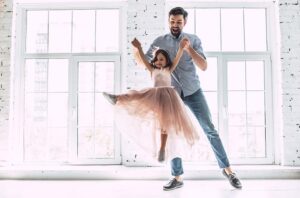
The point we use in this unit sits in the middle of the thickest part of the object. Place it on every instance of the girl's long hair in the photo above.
(165, 54)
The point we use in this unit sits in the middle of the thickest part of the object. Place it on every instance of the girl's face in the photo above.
(161, 61)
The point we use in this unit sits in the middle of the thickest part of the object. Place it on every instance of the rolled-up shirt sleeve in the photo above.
(198, 47)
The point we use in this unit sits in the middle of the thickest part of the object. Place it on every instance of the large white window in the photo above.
(66, 59)
(237, 84)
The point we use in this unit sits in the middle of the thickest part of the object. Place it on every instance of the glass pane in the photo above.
(35, 105)
(232, 30)
(237, 108)
(208, 30)
(35, 126)
(86, 142)
(103, 112)
(237, 142)
(190, 25)
(255, 75)
(86, 109)
(86, 76)
(35, 141)
(57, 109)
(105, 80)
(104, 142)
(60, 31)
(36, 75)
(255, 30)
(57, 143)
(83, 31)
(256, 108)
(108, 32)
(256, 142)
(58, 75)
(212, 101)
(208, 78)
(37, 32)
(236, 75)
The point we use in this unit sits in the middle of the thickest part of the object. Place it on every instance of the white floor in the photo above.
(146, 189)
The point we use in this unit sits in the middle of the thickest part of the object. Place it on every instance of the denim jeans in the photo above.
(198, 105)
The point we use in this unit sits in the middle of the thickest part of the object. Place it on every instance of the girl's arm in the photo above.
(178, 55)
(139, 55)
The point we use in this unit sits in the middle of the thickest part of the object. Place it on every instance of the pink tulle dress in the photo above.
(145, 114)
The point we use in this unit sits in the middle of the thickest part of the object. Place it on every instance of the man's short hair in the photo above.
(178, 11)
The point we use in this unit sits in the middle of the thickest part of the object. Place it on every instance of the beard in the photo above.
(175, 32)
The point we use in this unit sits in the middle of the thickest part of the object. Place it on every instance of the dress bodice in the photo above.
(161, 77)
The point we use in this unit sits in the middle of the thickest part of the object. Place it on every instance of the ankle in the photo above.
(178, 178)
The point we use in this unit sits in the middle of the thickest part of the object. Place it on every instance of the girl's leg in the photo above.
(163, 141)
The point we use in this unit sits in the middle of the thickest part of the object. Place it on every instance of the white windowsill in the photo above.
(147, 173)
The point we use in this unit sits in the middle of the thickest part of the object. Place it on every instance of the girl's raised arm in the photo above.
(179, 54)
(139, 54)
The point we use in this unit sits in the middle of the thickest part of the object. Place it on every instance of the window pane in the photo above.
(86, 109)
(212, 101)
(256, 108)
(208, 30)
(237, 108)
(105, 80)
(255, 30)
(236, 75)
(104, 142)
(35, 141)
(57, 144)
(103, 112)
(237, 149)
(86, 76)
(83, 31)
(35, 126)
(58, 75)
(107, 31)
(57, 109)
(255, 75)
(60, 31)
(256, 142)
(232, 30)
(36, 73)
(37, 32)
(86, 138)
(190, 25)
(209, 77)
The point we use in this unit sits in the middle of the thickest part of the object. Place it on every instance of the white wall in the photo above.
(5, 47)
(289, 16)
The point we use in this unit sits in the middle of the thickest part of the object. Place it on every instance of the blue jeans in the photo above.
(198, 105)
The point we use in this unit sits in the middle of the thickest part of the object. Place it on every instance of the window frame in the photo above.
(272, 138)
(17, 110)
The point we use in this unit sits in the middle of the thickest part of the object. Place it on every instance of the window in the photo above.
(68, 58)
(236, 84)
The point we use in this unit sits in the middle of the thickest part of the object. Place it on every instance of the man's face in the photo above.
(176, 24)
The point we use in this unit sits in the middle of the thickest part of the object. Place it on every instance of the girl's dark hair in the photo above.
(165, 54)
(178, 11)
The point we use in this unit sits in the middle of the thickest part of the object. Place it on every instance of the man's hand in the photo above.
(185, 43)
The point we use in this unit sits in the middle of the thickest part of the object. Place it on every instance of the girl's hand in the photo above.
(136, 43)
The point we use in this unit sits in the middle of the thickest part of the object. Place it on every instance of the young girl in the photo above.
(162, 104)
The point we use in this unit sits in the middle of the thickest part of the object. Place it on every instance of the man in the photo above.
(186, 82)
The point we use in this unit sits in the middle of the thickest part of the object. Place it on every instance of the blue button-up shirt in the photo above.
(184, 78)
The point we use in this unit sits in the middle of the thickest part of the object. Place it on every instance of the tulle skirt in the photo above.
(146, 114)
